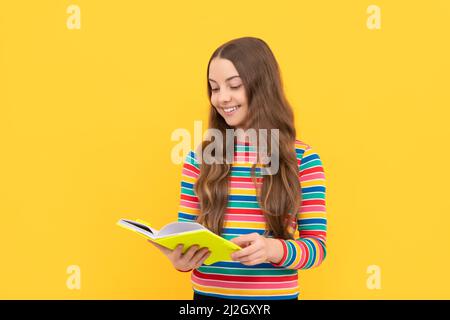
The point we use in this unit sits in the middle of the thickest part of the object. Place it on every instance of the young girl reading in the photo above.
(277, 218)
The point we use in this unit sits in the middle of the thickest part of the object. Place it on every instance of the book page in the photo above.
(179, 227)
(142, 228)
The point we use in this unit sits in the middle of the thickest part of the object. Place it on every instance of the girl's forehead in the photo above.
(222, 66)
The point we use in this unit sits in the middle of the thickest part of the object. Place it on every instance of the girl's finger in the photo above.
(255, 256)
(200, 263)
(178, 251)
(190, 252)
(199, 255)
(238, 255)
(245, 240)
(253, 262)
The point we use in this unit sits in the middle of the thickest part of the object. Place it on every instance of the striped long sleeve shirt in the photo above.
(243, 215)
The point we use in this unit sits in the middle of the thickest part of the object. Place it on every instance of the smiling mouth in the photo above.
(231, 110)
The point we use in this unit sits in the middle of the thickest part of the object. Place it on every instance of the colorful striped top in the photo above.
(234, 280)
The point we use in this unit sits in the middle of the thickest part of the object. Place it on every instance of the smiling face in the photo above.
(227, 92)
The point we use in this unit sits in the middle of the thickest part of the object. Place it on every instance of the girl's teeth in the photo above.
(230, 109)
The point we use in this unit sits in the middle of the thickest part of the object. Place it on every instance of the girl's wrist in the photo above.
(275, 252)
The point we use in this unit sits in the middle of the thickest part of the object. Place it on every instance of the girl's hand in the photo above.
(193, 258)
(257, 249)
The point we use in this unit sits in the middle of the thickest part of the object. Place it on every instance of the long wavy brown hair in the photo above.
(279, 195)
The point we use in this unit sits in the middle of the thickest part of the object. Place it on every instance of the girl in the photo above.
(278, 219)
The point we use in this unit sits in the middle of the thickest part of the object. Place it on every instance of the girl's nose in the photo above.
(224, 96)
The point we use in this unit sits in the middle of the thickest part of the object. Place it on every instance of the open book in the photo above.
(186, 233)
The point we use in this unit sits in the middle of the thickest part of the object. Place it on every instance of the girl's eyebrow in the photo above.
(226, 79)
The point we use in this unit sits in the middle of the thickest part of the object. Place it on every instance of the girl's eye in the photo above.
(234, 88)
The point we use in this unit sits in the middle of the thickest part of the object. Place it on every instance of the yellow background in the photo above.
(86, 119)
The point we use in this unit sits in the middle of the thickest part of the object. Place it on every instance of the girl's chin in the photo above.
(234, 124)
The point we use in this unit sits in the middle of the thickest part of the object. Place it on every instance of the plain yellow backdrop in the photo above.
(87, 114)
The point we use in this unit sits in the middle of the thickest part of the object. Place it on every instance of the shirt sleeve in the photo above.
(309, 249)
(189, 206)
